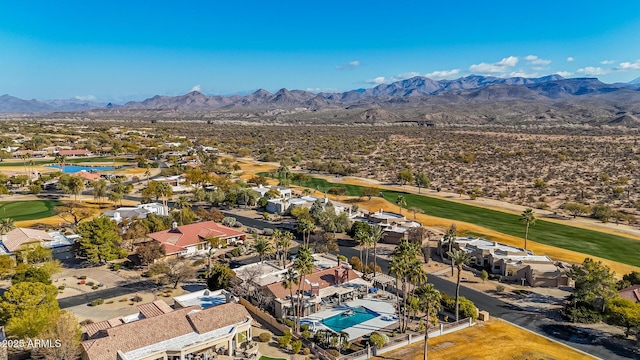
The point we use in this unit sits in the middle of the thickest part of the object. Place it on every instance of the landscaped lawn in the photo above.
(28, 210)
(612, 247)
(269, 358)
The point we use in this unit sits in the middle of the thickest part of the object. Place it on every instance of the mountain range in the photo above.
(418, 92)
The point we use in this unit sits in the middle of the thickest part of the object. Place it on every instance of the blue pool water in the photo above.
(69, 169)
(340, 322)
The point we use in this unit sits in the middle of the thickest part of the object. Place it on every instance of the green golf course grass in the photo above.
(595, 243)
(28, 210)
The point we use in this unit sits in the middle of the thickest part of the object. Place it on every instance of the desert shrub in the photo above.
(306, 351)
(115, 267)
(466, 307)
(86, 322)
(304, 327)
(137, 298)
(95, 287)
(90, 283)
(306, 334)
(83, 277)
(267, 232)
(197, 262)
(236, 252)
(110, 302)
(265, 337)
(333, 352)
(499, 288)
(229, 221)
(296, 346)
(288, 322)
(342, 258)
(355, 263)
(377, 339)
(97, 302)
(284, 340)
(61, 287)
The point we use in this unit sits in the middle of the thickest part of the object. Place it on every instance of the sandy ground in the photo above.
(492, 340)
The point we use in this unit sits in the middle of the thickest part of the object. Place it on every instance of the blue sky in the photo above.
(130, 50)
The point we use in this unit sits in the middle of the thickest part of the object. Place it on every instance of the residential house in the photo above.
(324, 285)
(61, 245)
(86, 175)
(513, 263)
(395, 225)
(139, 211)
(74, 153)
(159, 332)
(193, 239)
(632, 293)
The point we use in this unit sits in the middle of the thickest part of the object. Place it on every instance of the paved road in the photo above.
(120, 290)
(540, 323)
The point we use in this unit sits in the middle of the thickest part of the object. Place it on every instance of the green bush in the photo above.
(306, 334)
(97, 302)
(377, 339)
(61, 287)
(95, 287)
(236, 252)
(296, 346)
(284, 340)
(115, 267)
(499, 288)
(304, 327)
(289, 322)
(306, 351)
(83, 277)
(265, 337)
(467, 308)
(90, 283)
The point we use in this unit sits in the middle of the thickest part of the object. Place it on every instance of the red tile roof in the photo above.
(15, 238)
(177, 239)
(87, 175)
(324, 278)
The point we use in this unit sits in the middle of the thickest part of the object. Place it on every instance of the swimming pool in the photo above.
(340, 322)
(70, 169)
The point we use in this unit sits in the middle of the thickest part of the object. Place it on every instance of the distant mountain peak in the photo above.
(635, 81)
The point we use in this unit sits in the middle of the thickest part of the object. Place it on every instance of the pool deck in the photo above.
(384, 308)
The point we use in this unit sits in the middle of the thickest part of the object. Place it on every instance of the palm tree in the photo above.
(290, 280)
(306, 226)
(529, 218)
(401, 202)
(403, 259)
(450, 238)
(213, 243)
(6, 225)
(147, 173)
(284, 242)
(304, 266)
(343, 340)
(165, 191)
(376, 233)
(459, 258)
(262, 247)
(430, 300)
(359, 238)
(367, 241)
(415, 210)
(61, 159)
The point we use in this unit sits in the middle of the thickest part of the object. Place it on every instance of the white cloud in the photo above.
(195, 88)
(564, 73)
(319, 90)
(498, 67)
(607, 62)
(536, 60)
(378, 80)
(350, 65)
(404, 76)
(570, 59)
(86, 97)
(522, 73)
(629, 65)
(590, 70)
(443, 74)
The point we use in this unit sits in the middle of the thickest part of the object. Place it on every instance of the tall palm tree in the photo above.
(289, 281)
(306, 226)
(284, 243)
(459, 258)
(147, 174)
(430, 300)
(213, 243)
(304, 266)
(262, 246)
(359, 238)
(165, 192)
(529, 218)
(450, 238)
(6, 225)
(401, 202)
(367, 241)
(403, 259)
(376, 233)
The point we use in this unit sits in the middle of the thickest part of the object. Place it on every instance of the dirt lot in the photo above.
(493, 340)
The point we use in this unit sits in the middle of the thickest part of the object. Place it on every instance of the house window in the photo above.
(200, 246)
(496, 267)
(509, 272)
